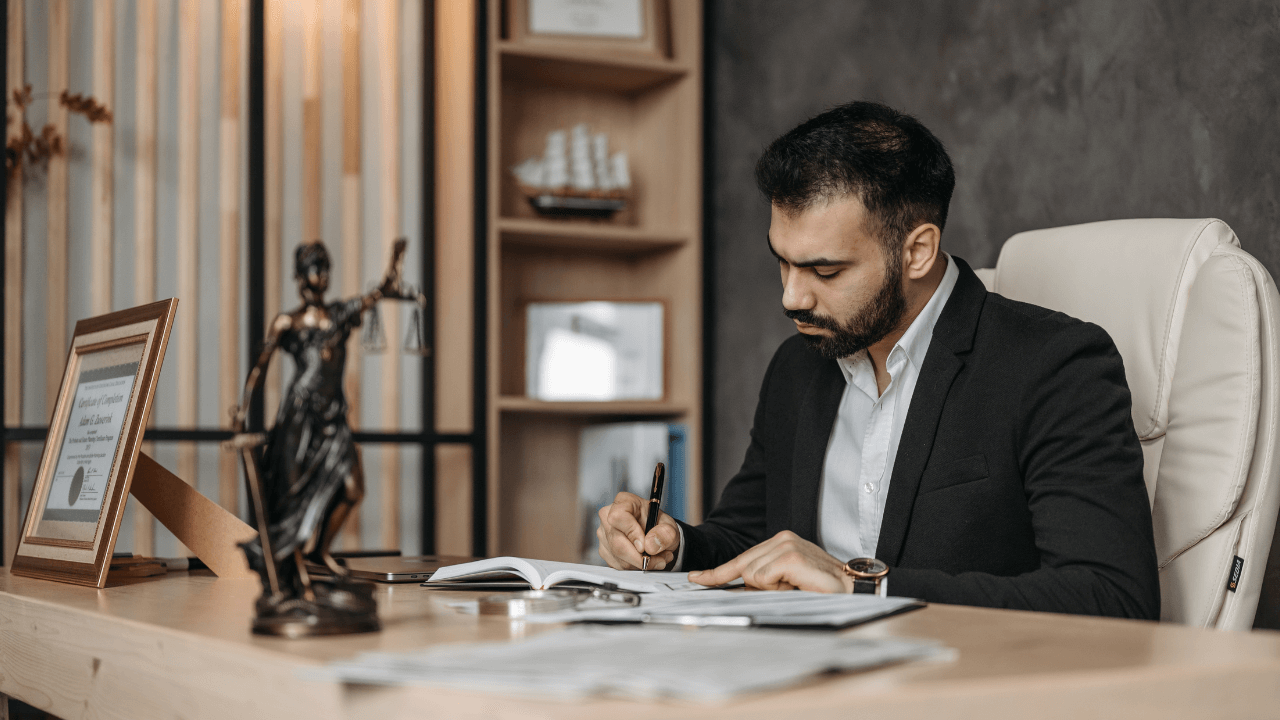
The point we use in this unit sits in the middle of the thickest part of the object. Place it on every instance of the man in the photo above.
(980, 449)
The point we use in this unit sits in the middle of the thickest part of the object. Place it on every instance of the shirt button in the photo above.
(868, 487)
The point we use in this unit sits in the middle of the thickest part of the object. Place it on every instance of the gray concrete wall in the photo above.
(1054, 113)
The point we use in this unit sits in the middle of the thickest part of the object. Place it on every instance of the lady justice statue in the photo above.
(308, 478)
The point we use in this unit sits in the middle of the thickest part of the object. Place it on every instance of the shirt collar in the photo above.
(915, 341)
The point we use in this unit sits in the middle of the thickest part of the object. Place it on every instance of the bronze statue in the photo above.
(308, 479)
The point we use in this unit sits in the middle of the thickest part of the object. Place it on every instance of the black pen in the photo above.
(655, 505)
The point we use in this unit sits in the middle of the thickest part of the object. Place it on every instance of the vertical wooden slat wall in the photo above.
(312, 147)
(274, 234)
(104, 86)
(56, 184)
(13, 293)
(186, 332)
(229, 173)
(388, 58)
(454, 198)
(168, 255)
(144, 211)
(351, 215)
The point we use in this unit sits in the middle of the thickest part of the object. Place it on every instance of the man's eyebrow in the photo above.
(815, 262)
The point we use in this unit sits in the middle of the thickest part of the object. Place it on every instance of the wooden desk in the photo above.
(180, 646)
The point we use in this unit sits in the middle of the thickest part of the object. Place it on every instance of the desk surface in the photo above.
(180, 645)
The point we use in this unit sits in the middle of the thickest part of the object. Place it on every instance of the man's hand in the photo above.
(622, 538)
(785, 561)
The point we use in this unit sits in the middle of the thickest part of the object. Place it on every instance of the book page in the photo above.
(491, 568)
(543, 574)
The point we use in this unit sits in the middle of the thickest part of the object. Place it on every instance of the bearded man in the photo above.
(919, 436)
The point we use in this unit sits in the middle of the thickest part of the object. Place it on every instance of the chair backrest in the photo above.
(1195, 320)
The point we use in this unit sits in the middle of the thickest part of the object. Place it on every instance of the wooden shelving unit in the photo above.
(651, 107)
(590, 69)
(637, 408)
(593, 237)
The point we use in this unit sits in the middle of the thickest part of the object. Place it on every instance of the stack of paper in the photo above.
(792, 608)
(635, 662)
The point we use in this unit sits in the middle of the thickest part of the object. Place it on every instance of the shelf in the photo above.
(655, 408)
(649, 106)
(580, 235)
(586, 69)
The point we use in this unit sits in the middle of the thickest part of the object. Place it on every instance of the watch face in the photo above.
(867, 567)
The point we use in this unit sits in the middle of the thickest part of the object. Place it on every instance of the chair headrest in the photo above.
(1132, 278)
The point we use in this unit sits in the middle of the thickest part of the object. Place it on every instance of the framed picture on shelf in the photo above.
(595, 351)
(89, 454)
(628, 25)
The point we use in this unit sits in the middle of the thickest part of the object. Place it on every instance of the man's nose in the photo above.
(795, 291)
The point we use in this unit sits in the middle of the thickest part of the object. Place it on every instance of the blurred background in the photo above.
(241, 128)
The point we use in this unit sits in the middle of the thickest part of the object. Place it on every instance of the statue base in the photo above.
(340, 606)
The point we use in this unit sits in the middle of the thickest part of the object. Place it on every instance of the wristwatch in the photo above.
(869, 576)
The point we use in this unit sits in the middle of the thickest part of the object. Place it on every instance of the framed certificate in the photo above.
(92, 445)
(633, 25)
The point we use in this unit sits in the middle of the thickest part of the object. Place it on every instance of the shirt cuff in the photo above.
(678, 565)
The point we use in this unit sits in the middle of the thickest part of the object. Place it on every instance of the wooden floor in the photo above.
(180, 646)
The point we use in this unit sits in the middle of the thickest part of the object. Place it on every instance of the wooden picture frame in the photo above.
(653, 37)
(91, 450)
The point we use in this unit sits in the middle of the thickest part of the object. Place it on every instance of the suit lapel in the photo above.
(939, 370)
(813, 430)
(952, 340)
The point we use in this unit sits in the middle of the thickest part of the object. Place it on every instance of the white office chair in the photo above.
(1195, 319)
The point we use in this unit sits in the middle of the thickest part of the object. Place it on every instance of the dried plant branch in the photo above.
(85, 105)
(26, 146)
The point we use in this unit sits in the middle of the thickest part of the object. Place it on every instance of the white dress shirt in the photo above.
(864, 438)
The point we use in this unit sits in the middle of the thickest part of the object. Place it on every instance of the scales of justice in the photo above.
(304, 474)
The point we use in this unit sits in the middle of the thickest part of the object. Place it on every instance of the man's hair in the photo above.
(310, 255)
(888, 160)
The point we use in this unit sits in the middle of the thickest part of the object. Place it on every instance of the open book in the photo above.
(544, 574)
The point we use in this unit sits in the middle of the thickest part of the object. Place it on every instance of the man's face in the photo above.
(838, 286)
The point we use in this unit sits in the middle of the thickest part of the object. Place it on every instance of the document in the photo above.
(89, 447)
(708, 665)
(763, 608)
(544, 574)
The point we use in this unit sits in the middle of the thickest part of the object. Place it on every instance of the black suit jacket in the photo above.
(1018, 479)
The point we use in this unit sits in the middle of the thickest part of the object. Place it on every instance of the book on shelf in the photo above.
(617, 457)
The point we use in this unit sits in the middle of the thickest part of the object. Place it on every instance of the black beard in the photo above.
(880, 317)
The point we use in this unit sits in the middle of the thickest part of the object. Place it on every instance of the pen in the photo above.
(655, 504)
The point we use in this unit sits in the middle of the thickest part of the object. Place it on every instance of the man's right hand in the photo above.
(622, 538)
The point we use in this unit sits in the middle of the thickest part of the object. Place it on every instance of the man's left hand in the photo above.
(785, 561)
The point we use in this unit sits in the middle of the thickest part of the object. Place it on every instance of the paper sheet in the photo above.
(781, 608)
(707, 665)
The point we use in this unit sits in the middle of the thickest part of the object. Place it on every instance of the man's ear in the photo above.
(920, 251)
